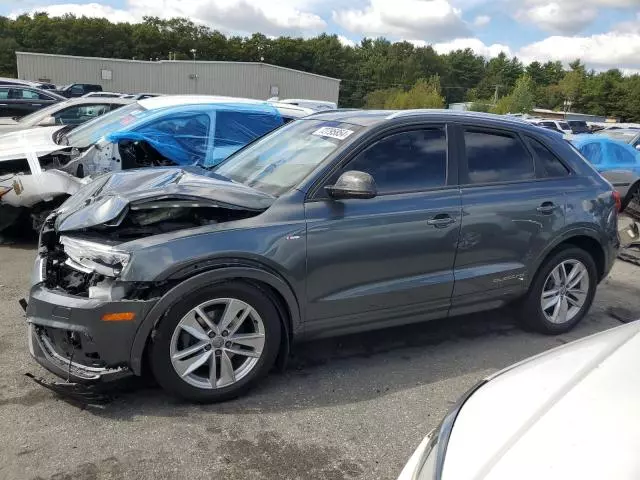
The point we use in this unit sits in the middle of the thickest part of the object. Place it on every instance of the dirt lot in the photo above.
(352, 407)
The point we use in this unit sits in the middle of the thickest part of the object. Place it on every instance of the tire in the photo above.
(533, 315)
(177, 332)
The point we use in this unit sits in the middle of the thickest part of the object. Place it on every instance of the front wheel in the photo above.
(216, 343)
(562, 292)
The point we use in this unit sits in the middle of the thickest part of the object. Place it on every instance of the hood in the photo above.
(24, 143)
(569, 413)
(7, 121)
(107, 199)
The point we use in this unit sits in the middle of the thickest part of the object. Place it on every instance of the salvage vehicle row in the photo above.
(40, 168)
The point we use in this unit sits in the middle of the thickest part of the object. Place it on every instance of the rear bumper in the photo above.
(68, 337)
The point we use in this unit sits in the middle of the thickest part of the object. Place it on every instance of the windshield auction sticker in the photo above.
(332, 132)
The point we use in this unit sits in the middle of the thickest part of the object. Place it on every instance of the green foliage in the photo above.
(522, 98)
(426, 93)
(481, 106)
(503, 105)
(375, 73)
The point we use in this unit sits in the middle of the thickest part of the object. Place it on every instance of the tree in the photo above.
(425, 93)
(572, 86)
(480, 106)
(522, 98)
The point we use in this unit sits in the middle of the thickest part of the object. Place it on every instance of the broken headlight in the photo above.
(90, 257)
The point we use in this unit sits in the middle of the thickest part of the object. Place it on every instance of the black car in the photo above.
(20, 100)
(78, 89)
(579, 126)
(336, 223)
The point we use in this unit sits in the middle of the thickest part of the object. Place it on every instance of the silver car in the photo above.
(570, 413)
(70, 112)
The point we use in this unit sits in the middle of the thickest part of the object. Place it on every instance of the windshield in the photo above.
(37, 116)
(90, 132)
(564, 126)
(280, 160)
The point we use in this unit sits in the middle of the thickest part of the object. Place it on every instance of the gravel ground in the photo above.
(346, 408)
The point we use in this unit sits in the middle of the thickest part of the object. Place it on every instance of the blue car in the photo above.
(607, 154)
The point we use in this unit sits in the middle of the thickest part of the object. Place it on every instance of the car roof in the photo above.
(368, 118)
(92, 100)
(175, 100)
(153, 103)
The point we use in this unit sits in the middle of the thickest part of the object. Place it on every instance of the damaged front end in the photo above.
(82, 312)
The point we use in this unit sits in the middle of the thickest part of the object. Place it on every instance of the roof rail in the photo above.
(421, 111)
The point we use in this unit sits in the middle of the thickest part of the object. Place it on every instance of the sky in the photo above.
(603, 33)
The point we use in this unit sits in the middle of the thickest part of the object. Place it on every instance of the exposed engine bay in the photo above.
(165, 216)
(83, 243)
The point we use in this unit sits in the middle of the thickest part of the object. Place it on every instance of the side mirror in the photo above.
(47, 122)
(353, 184)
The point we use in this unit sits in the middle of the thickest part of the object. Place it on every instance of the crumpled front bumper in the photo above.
(68, 337)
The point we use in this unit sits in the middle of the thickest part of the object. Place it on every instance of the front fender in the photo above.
(204, 279)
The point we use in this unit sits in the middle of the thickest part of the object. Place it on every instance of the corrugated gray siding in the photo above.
(238, 79)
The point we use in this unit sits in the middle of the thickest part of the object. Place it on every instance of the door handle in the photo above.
(441, 220)
(546, 208)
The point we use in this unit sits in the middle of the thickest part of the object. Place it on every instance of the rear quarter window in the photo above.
(547, 164)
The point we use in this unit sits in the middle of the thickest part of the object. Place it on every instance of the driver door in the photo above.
(389, 259)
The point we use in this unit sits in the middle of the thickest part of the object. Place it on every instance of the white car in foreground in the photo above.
(570, 413)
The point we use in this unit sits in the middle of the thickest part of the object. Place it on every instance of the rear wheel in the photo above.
(562, 291)
(216, 343)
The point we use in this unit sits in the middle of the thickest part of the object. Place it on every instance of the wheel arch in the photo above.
(276, 287)
(585, 239)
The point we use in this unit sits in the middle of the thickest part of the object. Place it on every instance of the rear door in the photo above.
(511, 208)
(390, 258)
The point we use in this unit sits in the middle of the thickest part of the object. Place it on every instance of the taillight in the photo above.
(618, 200)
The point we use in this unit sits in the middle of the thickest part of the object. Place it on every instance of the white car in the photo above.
(39, 168)
(316, 105)
(559, 125)
(570, 413)
(74, 111)
(104, 95)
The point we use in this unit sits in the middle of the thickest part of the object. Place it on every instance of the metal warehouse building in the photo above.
(237, 79)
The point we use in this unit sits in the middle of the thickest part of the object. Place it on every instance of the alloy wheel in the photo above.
(217, 343)
(565, 291)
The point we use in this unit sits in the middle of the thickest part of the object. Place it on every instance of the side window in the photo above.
(405, 162)
(547, 164)
(30, 95)
(592, 152)
(239, 128)
(77, 90)
(4, 93)
(79, 114)
(496, 157)
(182, 139)
(621, 155)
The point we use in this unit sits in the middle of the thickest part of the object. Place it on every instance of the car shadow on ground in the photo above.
(364, 366)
